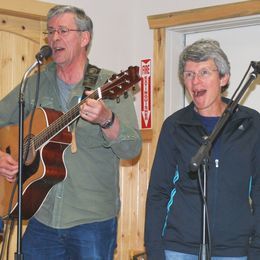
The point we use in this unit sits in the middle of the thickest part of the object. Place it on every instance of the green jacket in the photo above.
(90, 191)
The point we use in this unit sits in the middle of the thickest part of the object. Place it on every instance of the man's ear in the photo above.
(85, 38)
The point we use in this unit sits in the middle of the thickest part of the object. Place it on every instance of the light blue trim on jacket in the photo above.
(170, 202)
(250, 187)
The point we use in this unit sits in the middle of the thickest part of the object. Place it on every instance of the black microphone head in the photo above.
(45, 52)
(256, 65)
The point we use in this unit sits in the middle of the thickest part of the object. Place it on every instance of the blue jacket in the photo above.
(174, 203)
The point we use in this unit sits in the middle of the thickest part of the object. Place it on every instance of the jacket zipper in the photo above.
(217, 163)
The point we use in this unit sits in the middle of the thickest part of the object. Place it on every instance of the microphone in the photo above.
(45, 52)
(256, 65)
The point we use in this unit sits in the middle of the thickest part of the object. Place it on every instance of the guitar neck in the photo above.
(59, 124)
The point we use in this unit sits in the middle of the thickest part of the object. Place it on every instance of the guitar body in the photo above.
(46, 167)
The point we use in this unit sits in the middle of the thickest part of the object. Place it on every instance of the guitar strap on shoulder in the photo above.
(89, 83)
(90, 77)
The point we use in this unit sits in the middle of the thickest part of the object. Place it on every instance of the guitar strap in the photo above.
(90, 78)
(89, 83)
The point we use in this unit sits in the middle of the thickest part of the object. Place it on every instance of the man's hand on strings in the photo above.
(95, 111)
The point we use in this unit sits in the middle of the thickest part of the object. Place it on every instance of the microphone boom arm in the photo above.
(25, 77)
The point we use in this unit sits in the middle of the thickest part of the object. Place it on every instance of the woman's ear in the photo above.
(224, 80)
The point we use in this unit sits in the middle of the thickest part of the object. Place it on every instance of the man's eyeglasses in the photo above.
(203, 74)
(63, 31)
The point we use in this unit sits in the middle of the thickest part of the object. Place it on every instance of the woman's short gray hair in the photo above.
(203, 50)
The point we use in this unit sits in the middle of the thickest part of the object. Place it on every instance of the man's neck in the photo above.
(72, 73)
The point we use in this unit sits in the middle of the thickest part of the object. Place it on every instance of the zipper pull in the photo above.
(216, 162)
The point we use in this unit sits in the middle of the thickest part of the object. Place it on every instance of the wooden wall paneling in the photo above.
(20, 41)
(32, 9)
(134, 178)
(126, 191)
(158, 84)
(143, 179)
(27, 28)
(205, 14)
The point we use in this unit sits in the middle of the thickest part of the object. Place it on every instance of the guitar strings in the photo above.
(64, 120)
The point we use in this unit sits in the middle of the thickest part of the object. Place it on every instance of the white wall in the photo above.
(122, 36)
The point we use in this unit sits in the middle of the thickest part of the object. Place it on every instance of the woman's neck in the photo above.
(216, 112)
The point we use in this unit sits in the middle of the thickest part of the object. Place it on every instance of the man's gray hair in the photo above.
(83, 22)
(203, 50)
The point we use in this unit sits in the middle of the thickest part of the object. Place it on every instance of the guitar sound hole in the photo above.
(29, 170)
(8, 150)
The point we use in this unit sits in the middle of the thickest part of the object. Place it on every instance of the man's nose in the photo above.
(55, 35)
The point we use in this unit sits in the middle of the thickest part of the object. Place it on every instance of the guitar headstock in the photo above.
(118, 84)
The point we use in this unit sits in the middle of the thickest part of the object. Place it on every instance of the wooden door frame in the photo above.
(31, 9)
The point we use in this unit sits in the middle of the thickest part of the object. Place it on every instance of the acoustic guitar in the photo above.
(44, 148)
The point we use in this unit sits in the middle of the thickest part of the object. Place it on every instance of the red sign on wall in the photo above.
(146, 93)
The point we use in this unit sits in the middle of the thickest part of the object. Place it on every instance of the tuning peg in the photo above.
(117, 99)
(125, 94)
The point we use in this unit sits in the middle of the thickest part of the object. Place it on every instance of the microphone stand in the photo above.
(205, 148)
(204, 253)
(18, 254)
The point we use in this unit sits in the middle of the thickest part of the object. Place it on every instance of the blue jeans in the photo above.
(94, 241)
(172, 255)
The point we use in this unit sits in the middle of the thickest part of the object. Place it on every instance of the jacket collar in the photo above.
(188, 115)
